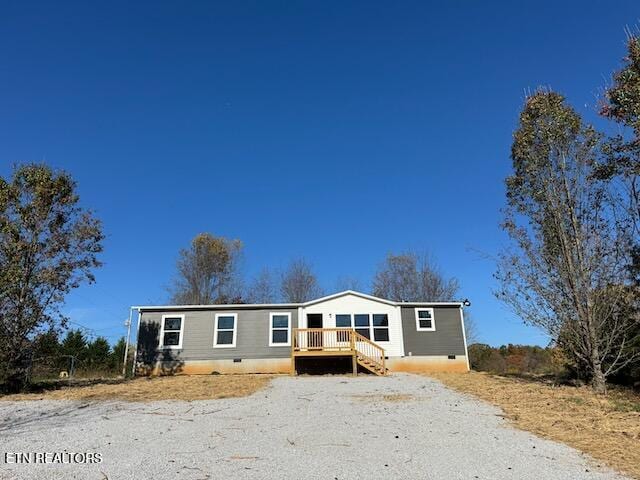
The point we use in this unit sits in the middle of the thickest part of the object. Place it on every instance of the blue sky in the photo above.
(337, 131)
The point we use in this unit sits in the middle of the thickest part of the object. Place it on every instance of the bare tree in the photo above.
(347, 283)
(567, 272)
(470, 328)
(410, 277)
(434, 286)
(207, 272)
(299, 283)
(264, 288)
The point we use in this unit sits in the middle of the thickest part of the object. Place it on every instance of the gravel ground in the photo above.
(401, 426)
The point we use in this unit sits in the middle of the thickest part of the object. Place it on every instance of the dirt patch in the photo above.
(391, 397)
(606, 427)
(183, 387)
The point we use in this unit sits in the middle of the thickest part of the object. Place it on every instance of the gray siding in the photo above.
(447, 339)
(252, 337)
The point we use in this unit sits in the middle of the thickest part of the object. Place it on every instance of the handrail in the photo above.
(370, 350)
(329, 340)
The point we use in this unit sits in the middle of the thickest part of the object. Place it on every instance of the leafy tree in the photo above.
(117, 354)
(49, 245)
(566, 273)
(408, 277)
(46, 345)
(622, 166)
(98, 353)
(299, 282)
(622, 105)
(207, 272)
(74, 344)
(45, 354)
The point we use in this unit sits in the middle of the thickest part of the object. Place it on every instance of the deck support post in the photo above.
(293, 358)
(354, 359)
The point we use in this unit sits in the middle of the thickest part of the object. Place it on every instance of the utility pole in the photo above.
(127, 324)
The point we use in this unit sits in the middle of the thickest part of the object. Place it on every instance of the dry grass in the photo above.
(606, 427)
(183, 387)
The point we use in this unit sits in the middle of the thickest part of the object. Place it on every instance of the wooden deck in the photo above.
(331, 342)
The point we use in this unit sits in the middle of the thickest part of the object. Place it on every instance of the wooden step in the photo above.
(372, 367)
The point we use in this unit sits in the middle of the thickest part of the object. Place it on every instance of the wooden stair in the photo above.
(371, 366)
(368, 354)
(338, 341)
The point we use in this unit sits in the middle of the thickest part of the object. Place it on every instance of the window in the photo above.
(279, 329)
(343, 321)
(224, 331)
(361, 323)
(171, 331)
(380, 327)
(424, 320)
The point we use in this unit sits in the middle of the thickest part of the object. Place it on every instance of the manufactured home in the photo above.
(364, 332)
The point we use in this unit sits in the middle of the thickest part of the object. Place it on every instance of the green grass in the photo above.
(625, 405)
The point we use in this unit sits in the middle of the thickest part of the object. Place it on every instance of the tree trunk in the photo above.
(598, 382)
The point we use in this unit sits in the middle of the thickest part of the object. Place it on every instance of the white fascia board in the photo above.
(349, 292)
(228, 306)
(430, 304)
(297, 305)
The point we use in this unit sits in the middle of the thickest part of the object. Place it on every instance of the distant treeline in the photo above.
(532, 359)
(75, 354)
(514, 359)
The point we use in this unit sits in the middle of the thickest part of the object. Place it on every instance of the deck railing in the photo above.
(369, 350)
(323, 339)
(338, 340)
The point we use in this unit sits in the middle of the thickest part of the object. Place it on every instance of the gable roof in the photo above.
(349, 292)
(294, 305)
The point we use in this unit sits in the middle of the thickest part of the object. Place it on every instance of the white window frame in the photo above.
(215, 330)
(161, 345)
(433, 320)
(373, 329)
(279, 314)
(369, 327)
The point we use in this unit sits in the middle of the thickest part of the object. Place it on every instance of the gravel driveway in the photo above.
(401, 426)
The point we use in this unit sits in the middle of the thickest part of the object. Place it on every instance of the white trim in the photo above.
(399, 314)
(135, 352)
(429, 304)
(433, 320)
(215, 330)
(464, 337)
(280, 314)
(161, 345)
(296, 305)
(371, 327)
(388, 327)
(349, 292)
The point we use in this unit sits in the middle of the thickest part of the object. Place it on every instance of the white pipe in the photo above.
(135, 352)
(126, 345)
